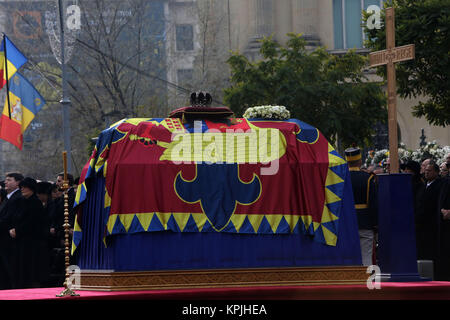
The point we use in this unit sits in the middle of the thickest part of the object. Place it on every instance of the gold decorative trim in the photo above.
(109, 280)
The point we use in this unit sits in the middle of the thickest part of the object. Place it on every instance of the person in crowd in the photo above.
(418, 187)
(29, 231)
(443, 270)
(423, 166)
(55, 238)
(2, 195)
(364, 194)
(70, 192)
(44, 193)
(443, 169)
(3, 263)
(428, 221)
(378, 169)
(7, 208)
(56, 193)
(57, 196)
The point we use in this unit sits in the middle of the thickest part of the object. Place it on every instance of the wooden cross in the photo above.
(388, 57)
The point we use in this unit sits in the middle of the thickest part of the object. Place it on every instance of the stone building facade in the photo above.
(334, 24)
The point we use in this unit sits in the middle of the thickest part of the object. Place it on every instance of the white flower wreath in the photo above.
(429, 150)
(267, 112)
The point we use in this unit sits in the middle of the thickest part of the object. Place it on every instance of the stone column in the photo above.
(306, 21)
(264, 17)
(262, 11)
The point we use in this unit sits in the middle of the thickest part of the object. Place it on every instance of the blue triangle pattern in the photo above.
(135, 226)
(230, 228)
(246, 227)
(310, 230)
(337, 189)
(118, 227)
(207, 227)
(299, 227)
(173, 225)
(335, 207)
(105, 213)
(318, 235)
(335, 153)
(155, 224)
(77, 236)
(264, 227)
(332, 226)
(191, 226)
(340, 170)
(283, 227)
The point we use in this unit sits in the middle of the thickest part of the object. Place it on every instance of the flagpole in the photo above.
(65, 101)
(6, 74)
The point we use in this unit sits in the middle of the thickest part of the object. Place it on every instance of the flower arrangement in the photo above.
(430, 150)
(267, 112)
(377, 157)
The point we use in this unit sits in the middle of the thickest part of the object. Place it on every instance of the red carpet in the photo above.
(434, 290)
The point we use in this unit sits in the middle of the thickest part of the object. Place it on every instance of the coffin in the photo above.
(211, 200)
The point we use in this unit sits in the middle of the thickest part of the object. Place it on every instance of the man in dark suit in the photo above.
(365, 197)
(428, 222)
(443, 268)
(7, 210)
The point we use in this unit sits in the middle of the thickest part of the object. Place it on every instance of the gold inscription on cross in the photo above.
(388, 57)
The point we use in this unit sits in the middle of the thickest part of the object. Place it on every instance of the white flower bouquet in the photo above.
(267, 112)
(429, 150)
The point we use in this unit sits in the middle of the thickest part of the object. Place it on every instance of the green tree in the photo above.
(327, 91)
(426, 24)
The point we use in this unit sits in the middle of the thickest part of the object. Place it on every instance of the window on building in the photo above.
(185, 37)
(347, 22)
(185, 76)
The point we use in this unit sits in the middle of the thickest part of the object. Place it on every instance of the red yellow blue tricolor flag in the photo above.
(24, 101)
(11, 59)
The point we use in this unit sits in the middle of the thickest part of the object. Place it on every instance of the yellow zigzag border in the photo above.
(331, 197)
(201, 219)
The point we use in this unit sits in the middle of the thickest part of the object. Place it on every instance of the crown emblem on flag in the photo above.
(17, 111)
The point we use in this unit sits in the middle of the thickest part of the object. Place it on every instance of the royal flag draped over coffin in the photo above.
(234, 175)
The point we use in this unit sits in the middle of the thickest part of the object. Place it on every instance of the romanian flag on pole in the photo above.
(11, 59)
(25, 101)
